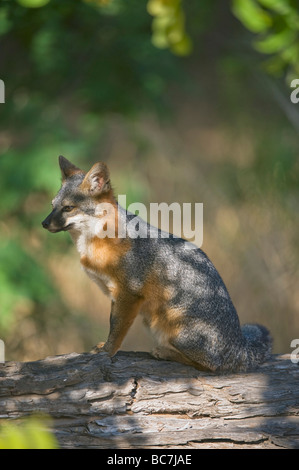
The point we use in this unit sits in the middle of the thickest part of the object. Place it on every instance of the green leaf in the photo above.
(291, 54)
(280, 6)
(275, 42)
(160, 40)
(252, 15)
(169, 26)
(182, 47)
(33, 3)
(32, 433)
(162, 8)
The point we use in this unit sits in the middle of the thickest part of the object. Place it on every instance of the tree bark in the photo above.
(135, 401)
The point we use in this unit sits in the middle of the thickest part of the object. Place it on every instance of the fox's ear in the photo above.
(67, 168)
(97, 180)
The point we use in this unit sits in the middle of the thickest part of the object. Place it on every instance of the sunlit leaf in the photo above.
(182, 47)
(169, 26)
(33, 3)
(29, 434)
(251, 15)
(275, 42)
(280, 6)
(160, 7)
(160, 40)
(291, 54)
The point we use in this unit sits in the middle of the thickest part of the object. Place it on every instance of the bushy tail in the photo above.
(257, 345)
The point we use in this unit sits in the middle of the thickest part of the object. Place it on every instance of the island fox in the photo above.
(177, 290)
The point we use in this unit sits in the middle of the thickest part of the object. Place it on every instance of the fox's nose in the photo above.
(45, 223)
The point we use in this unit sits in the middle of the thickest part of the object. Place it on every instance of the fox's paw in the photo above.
(160, 353)
(155, 353)
(98, 348)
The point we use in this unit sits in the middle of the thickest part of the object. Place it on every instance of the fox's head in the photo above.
(79, 196)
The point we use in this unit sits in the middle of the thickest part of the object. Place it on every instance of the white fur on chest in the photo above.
(83, 245)
(105, 283)
(87, 228)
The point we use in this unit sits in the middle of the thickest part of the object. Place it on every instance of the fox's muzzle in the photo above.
(54, 222)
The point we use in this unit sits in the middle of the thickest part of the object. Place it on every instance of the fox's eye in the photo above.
(67, 208)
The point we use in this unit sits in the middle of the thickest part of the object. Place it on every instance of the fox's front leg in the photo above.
(124, 309)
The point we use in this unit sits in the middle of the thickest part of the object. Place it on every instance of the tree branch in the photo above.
(135, 401)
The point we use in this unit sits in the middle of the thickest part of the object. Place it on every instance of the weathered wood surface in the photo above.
(135, 401)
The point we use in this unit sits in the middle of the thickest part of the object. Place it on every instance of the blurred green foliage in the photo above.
(68, 66)
(31, 433)
(169, 26)
(98, 55)
(276, 21)
(277, 24)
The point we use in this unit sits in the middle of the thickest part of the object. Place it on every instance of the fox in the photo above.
(177, 290)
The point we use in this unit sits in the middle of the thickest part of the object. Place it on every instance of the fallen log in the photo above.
(135, 401)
